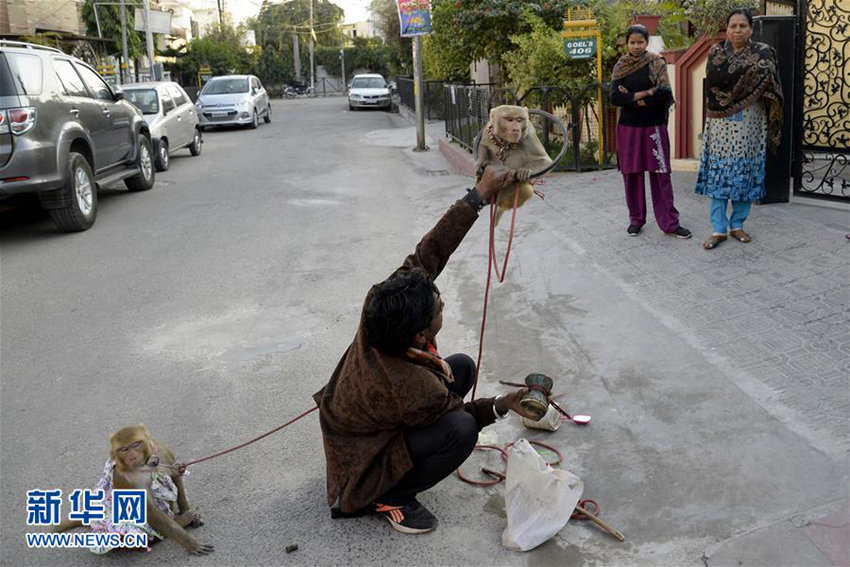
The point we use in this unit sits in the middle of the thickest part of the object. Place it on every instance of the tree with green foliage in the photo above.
(220, 49)
(275, 26)
(276, 23)
(538, 59)
(709, 16)
(366, 54)
(385, 13)
(464, 31)
(110, 27)
(672, 14)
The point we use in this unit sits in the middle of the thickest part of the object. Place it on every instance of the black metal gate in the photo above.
(822, 101)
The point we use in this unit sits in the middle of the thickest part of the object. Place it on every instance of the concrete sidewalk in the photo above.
(730, 366)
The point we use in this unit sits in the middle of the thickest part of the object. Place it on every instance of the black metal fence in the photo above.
(434, 94)
(326, 86)
(590, 125)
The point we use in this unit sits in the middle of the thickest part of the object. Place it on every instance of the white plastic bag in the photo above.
(539, 500)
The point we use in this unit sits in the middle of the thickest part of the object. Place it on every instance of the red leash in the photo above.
(499, 477)
(492, 264)
(254, 440)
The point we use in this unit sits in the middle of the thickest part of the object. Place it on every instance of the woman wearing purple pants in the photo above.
(641, 88)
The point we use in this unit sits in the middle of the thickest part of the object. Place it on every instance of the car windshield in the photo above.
(225, 86)
(369, 83)
(143, 99)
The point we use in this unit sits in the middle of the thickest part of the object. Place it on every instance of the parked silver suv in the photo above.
(64, 131)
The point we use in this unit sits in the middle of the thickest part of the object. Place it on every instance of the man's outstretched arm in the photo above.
(433, 251)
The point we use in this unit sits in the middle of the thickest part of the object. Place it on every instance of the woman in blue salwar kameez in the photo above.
(744, 115)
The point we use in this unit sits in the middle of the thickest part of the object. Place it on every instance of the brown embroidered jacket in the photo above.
(372, 398)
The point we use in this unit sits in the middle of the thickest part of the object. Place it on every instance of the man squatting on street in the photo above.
(393, 419)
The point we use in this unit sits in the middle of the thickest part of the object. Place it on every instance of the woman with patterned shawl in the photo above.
(744, 117)
(641, 88)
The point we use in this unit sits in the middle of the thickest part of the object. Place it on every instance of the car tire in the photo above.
(268, 117)
(161, 161)
(255, 121)
(81, 210)
(202, 128)
(350, 107)
(197, 142)
(146, 177)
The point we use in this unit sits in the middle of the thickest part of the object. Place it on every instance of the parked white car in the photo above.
(369, 91)
(171, 117)
(233, 99)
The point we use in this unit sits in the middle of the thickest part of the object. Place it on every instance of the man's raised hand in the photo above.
(494, 179)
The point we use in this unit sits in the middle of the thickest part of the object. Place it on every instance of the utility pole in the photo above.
(220, 17)
(125, 78)
(418, 95)
(296, 55)
(149, 36)
(312, 33)
(342, 57)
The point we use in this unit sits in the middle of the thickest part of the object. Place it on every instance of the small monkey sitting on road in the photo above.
(137, 461)
(510, 140)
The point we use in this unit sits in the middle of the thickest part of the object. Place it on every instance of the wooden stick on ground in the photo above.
(601, 524)
(493, 473)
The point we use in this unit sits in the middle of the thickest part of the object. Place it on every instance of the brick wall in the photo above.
(25, 16)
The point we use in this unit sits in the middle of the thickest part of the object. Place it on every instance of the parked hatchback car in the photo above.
(64, 132)
(233, 99)
(171, 116)
(369, 91)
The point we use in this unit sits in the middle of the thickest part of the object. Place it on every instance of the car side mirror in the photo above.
(118, 94)
(254, 90)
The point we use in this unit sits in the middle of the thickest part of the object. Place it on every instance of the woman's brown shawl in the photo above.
(628, 64)
(372, 398)
(737, 79)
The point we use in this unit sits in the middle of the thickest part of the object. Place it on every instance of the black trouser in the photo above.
(440, 448)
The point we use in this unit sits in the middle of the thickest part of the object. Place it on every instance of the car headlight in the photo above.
(199, 105)
(245, 103)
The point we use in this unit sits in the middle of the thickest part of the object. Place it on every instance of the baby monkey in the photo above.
(137, 461)
(509, 139)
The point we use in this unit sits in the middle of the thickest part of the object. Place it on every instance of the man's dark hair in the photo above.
(744, 11)
(637, 28)
(399, 308)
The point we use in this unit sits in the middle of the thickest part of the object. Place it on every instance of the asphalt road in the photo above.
(211, 307)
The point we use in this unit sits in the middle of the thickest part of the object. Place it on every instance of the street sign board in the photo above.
(160, 21)
(415, 17)
(580, 48)
(204, 75)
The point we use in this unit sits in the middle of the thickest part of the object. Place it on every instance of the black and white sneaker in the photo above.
(681, 233)
(633, 230)
(411, 517)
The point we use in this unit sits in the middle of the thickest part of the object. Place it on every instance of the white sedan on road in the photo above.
(369, 91)
(171, 117)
